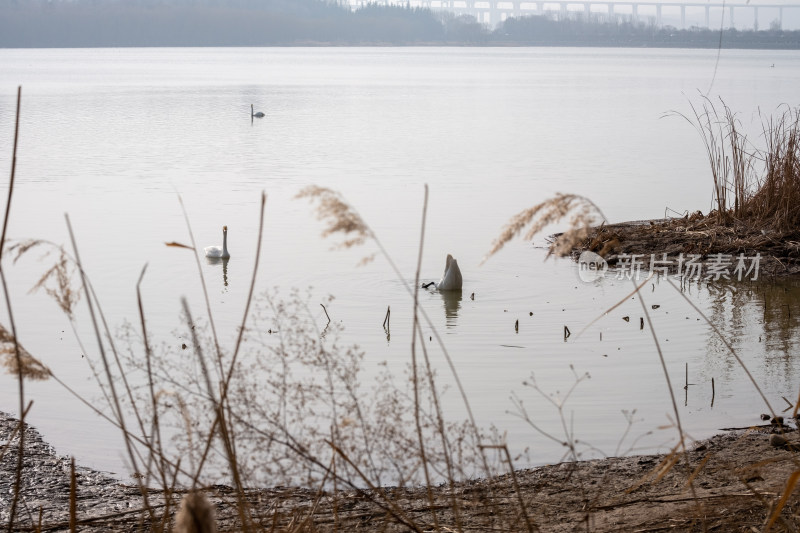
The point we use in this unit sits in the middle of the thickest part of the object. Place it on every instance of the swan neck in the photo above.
(225, 244)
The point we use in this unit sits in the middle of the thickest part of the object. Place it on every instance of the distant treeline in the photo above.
(114, 23)
(578, 30)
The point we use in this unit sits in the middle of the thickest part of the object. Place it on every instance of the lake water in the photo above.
(113, 136)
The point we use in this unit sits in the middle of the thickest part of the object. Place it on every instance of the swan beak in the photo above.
(224, 228)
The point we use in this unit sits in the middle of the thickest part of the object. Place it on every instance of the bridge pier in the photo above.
(658, 15)
(494, 14)
(683, 17)
(755, 18)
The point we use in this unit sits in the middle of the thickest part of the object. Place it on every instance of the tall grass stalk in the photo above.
(414, 365)
(156, 444)
(118, 413)
(17, 353)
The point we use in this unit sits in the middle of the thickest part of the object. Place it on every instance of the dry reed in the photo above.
(755, 187)
(340, 217)
(584, 214)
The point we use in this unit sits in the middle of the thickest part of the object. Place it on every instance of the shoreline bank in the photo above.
(671, 243)
(737, 478)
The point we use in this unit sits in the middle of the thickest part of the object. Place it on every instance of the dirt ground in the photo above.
(731, 482)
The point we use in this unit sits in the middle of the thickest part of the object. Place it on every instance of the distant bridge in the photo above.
(494, 11)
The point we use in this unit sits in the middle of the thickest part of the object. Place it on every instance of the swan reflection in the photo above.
(452, 304)
(224, 262)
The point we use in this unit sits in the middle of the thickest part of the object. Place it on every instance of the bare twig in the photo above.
(326, 313)
(386, 318)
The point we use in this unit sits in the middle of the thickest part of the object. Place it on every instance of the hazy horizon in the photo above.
(111, 23)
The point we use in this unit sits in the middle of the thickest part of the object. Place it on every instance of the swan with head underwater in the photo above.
(451, 279)
(256, 115)
(217, 252)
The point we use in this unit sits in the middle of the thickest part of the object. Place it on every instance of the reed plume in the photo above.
(26, 365)
(339, 216)
(584, 214)
(57, 280)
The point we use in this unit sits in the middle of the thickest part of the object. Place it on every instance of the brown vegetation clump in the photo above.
(700, 236)
(776, 203)
(753, 215)
(196, 515)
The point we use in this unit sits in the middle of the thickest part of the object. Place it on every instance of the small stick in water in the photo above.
(712, 392)
(326, 313)
(386, 319)
(566, 333)
(516, 326)
(641, 322)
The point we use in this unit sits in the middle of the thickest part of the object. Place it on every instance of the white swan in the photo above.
(451, 280)
(216, 251)
(257, 115)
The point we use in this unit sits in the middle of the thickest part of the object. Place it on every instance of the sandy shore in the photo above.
(737, 478)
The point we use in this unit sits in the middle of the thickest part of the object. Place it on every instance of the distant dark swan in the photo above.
(256, 115)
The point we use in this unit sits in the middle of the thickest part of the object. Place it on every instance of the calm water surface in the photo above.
(112, 137)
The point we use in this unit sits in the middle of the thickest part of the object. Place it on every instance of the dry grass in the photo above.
(755, 186)
(776, 203)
